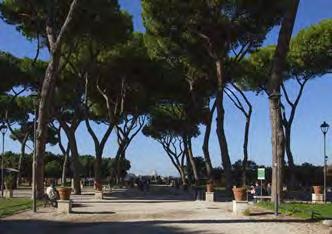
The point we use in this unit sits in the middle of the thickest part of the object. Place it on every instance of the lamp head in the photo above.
(324, 127)
(3, 128)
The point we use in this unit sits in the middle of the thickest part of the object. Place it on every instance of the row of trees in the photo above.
(305, 174)
(168, 82)
(54, 170)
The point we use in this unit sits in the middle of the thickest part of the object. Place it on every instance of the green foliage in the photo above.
(311, 50)
(53, 169)
(87, 165)
(124, 166)
(9, 181)
(309, 57)
(101, 21)
(92, 18)
(165, 73)
(170, 120)
(34, 72)
(127, 75)
(12, 72)
(246, 212)
(251, 172)
(12, 110)
(201, 169)
(195, 35)
(11, 161)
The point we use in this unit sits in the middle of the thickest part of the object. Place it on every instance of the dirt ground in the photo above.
(163, 210)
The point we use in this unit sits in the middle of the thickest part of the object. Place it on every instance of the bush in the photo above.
(9, 181)
(53, 169)
(246, 212)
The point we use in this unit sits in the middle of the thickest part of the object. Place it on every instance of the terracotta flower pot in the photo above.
(209, 187)
(98, 186)
(239, 194)
(64, 193)
(317, 189)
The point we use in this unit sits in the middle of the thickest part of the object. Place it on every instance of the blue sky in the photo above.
(147, 155)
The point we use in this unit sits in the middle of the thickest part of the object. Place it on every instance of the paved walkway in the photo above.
(133, 212)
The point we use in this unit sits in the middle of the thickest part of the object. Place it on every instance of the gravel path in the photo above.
(131, 212)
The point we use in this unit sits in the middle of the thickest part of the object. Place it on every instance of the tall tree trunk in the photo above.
(120, 163)
(99, 145)
(226, 162)
(278, 148)
(70, 133)
(190, 156)
(176, 155)
(64, 169)
(287, 123)
(19, 174)
(118, 158)
(65, 153)
(99, 148)
(179, 167)
(289, 153)
(131, 128)
(274, 85)
(97, 166)
(245, 149)
(45, 100)
(48, 85)
(291, 164)
(65, 161)
(75, 161)
(183, 177)
(205, 146)
(247, 112)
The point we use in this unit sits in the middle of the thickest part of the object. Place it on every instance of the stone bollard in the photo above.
(8, 193)
(327, 223)
(64, 206)
(317, 198)
(209, 196)
(240, 206)
(99, 195)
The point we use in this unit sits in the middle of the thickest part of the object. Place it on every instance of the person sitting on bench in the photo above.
(258, 190)
(52, 194)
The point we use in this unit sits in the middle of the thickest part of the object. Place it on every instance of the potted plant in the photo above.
(317, 189)
(98, 186)
(64, 193)
(9, 182)
(239, 193)
(209, 186)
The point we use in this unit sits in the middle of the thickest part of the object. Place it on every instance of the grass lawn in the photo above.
(316, 211)
(11, 206)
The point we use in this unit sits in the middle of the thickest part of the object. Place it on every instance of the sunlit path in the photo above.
(170, 212)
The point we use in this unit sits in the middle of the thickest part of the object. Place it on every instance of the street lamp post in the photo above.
(3, 129)
(325, 128)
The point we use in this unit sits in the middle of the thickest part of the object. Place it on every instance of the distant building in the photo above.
(154, 173)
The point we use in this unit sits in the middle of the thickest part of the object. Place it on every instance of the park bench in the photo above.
(262, 198)
(107, 188)
(49, 202)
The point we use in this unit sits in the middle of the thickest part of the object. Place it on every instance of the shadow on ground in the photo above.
(133, 201)
(92, 212)
(163, 193)
(49, 227)
(144, 227)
